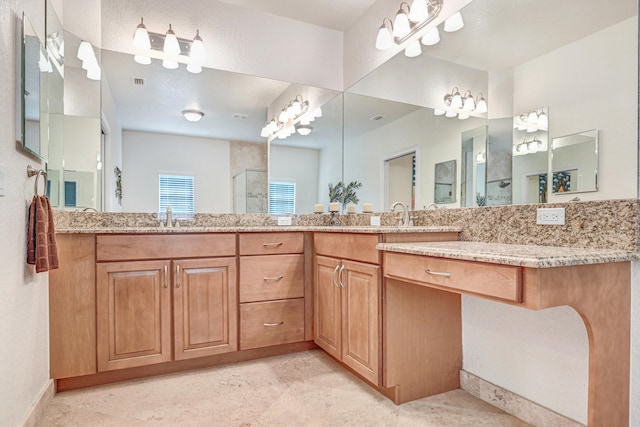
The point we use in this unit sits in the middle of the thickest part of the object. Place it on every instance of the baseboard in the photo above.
(42, 402)
(512, 403)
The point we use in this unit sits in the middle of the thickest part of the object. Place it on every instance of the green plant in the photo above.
(344, 194)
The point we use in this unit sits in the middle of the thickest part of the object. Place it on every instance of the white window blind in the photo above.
(177, 191)
(282, 197)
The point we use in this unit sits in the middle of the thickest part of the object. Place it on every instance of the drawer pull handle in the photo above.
(340, 281)
(335, 272)
(273, 324)
(166, 274)
(269, 245)
(178, 278)
(273, 279)
(437, 273)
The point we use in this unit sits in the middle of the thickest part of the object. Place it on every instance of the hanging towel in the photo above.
(41, 239)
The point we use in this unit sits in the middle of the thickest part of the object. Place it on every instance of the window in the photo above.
(282, 197)
(177, 191)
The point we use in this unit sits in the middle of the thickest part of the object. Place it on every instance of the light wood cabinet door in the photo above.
(133, 314)
(327, 306)
(361, 318)
(205, 307)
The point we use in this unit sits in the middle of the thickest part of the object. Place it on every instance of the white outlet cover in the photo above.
(550, 216)
(375, 221)
(284, 220)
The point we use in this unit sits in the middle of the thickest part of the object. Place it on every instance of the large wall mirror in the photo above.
(502, 54)
(574, 162)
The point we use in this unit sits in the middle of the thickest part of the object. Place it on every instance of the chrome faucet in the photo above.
(404, 222)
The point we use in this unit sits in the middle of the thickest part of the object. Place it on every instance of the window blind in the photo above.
(282, 197)
(177, 191)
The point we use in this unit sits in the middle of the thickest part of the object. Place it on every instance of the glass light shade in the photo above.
(283, 117)
(454, 23)
(197, 49)
(194, 68)
(413, 49)
(450, 114)
(282, 135)
(141, 37)
(317, 112)
(462, 116)
(305, 119)
(532, 118)
(169, 64)
(438, 112)
(94, 73)
(141, 59)
(419, 11)
(480, 158)
(469, 103)
(192, 115)
(43, 64)
(481, 105)
(265, 132)
(522, 127)
(296, 107)
(171, 45)
(522, 148)
(532, 146)
(456, 100)
(273, 126)
(85, 51)
(543, 121)
(384, 40)
(532, 129)
(90, 63)
(401, 25)
(304, 130)
(432, 37)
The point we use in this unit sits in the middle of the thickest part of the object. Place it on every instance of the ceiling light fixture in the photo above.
(408, 21)
(173, 50)
(304, 130)
(193, 115)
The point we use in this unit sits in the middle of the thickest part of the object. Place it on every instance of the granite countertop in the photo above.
(510, 254)
(244, 229)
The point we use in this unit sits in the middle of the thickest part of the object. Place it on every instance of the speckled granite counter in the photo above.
(510, 254)
(253, 229)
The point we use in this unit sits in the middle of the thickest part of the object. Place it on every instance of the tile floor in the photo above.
(301, 389)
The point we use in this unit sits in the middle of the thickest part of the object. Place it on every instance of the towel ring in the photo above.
(31, 171)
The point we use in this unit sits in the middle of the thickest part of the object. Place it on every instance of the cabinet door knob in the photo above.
(273, 324)
(178, 278)
(437, 273)
(273, 279)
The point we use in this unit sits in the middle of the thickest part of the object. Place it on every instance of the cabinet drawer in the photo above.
(492, 280)
(264, 324)
(271, 243)
(271, 277)
(358, 247)
(123, 247)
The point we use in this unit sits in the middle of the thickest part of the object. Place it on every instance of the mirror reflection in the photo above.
(445, 182)
(574, 162)
(531, 156)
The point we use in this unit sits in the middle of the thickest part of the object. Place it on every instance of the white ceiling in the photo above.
(336, 14)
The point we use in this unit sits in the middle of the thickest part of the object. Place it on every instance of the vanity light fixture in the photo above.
(467, 103)
(174, 50)
(407, 22)
(532, 121)
(453, 99)
(296, 112)
(193, 115)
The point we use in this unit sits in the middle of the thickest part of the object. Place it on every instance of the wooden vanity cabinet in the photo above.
(347, 301)
(271, 289)
(139, 300)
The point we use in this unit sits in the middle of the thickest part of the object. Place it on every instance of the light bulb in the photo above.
(413, 49)
(432, 37)
(171, 45)
(141, 37)
(454, 23)
(419, 11)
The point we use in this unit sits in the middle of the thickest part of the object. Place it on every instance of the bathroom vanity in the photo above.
(384, 302)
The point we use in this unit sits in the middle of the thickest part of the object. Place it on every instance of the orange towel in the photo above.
(41, 239)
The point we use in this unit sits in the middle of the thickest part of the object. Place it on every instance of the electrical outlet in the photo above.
(284, 220)
(550, 216)
(375, 221)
